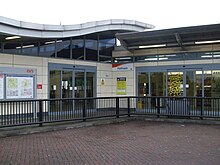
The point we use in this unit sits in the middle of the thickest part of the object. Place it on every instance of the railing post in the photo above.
(158, 106)
(117, 107)
(129, 108)
(201, 109)
(40, 116)
(84, 109)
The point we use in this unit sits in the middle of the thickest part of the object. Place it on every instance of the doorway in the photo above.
(71, 83)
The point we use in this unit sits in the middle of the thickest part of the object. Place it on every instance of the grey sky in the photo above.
(161, 13)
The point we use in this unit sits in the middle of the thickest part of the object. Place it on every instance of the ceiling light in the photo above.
(207, 56)
(207, 42)
(164, 58)
(152, 46)
(150, 59)
(26, 46)
(12, 37)
(123, 58)
(52, 42)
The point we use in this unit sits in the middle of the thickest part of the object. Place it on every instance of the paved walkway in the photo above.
(127, 143)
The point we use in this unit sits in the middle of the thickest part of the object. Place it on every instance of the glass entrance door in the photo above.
(67, 89)
(79, 88)
(70, 83)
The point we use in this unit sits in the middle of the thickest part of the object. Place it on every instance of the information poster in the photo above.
(1, 86)
(19, 87)
(121, 86)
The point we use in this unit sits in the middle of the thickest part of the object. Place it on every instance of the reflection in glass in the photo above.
(63, 48)
(143, 90)
(143, 84)
(67, 90)
(158, 84)
(91, 50)
(106, 46)
(193, 83)
(90, 88)
(14, 48)
(55, 89)
(78, 49)
(79, 90)
(79, 85)
(47, 49)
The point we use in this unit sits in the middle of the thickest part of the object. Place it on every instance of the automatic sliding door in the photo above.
(79, 88)
(90, 86)
(67, 90)
(55, 90)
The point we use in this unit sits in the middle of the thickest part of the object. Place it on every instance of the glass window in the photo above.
(147, 58)
(216, 55)
(78, 49)
(193, 83)
(106, 46)
(63, 48)
(207, 83)
(158, 84)
(216, 83)
(55, 82)
(123, 59)
(91, 48)
(90, 86)
(55, 90)
(47, 49)
(30, 49)
(13, 48)
(143, 84)
(79, 85)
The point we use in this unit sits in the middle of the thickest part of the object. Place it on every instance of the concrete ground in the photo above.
(124, 143)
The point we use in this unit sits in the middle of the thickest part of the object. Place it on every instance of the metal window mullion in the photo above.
(84, 48)
(38, 49)
(71, 47)
(85, 84)
(98, 57)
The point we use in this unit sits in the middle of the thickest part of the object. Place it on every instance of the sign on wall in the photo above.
(19, 87)
(121, 86)
(122, 67)
(1, 86)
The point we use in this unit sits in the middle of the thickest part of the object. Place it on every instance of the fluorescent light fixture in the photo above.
(26, 46)
(207, 42)
(150, 59)
(123, 58)
(52, 42)
(216, 55)
(206, 56)
(169, 55)
(12, 37)
(152, 46)
(164, 58)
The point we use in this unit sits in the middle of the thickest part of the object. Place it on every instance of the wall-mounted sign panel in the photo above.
(122, 67)
(1, 86)
(121, 86)
(19, 87)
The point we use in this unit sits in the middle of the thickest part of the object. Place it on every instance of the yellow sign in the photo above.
(102, 81)
(121, 86)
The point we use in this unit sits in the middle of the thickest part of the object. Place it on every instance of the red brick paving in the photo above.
(129, 143)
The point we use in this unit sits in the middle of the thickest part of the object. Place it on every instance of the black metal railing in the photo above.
(27, 112)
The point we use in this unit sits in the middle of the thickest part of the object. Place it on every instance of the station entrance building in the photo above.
(76, 61)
